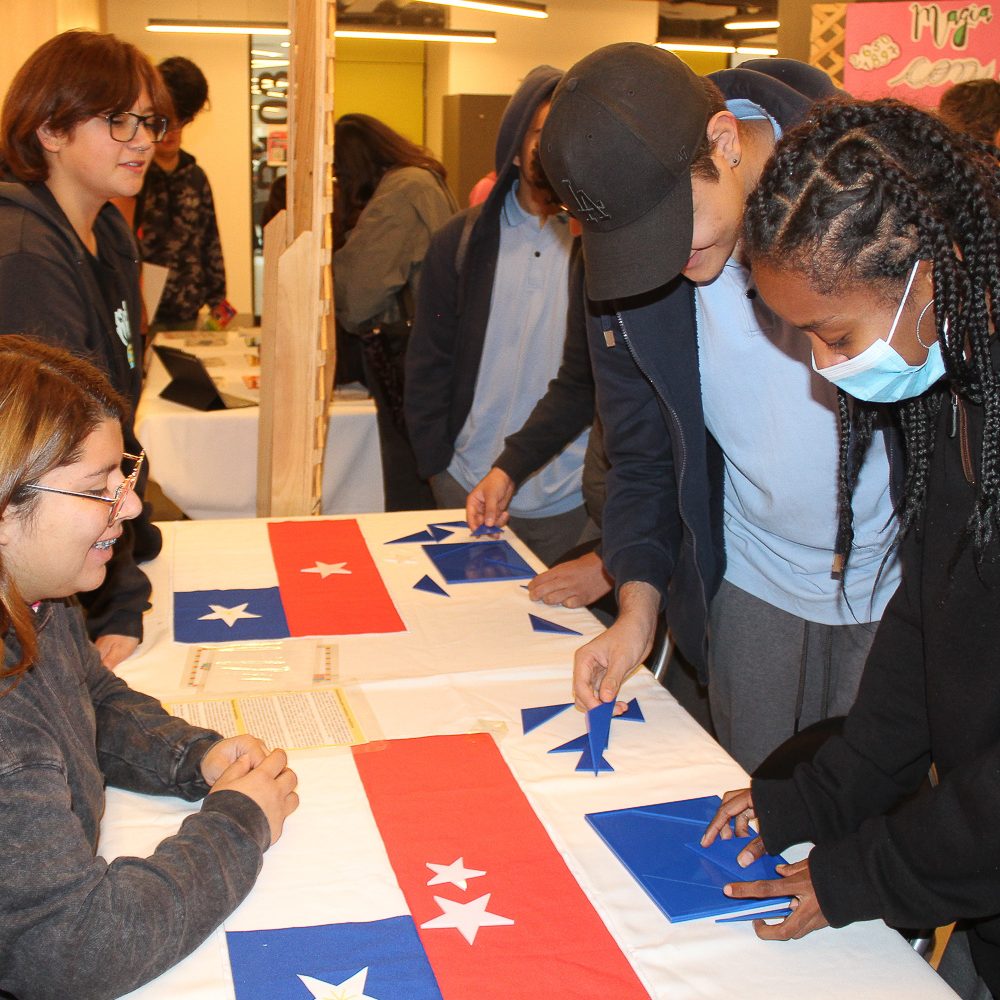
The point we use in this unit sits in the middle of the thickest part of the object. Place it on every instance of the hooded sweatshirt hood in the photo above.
(536, 88)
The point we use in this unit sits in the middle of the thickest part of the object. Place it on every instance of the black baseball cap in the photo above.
(624, 126)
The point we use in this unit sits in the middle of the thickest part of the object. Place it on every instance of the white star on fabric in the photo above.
(454, 874)
(349, 989)
(328, 569)
(466, 918)
(228, 615)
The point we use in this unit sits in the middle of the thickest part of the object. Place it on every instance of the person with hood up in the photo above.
(78, 126)
(489, 334)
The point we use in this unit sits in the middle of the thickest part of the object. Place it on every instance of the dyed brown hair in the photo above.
(72, 77)
(50, 402)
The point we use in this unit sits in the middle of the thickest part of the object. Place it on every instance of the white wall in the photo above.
(572, 29)
(220, 137)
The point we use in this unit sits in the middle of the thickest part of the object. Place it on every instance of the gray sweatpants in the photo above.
(772, 674)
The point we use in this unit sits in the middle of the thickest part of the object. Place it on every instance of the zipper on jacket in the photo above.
(680, 438)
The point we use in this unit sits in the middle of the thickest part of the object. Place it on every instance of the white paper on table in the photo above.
(294, 720)
(154, 280)
(263, 665)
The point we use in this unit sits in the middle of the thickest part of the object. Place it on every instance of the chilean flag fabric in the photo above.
(306, 578)
(484, 906)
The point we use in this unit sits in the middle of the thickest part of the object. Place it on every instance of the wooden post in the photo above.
(297, 349)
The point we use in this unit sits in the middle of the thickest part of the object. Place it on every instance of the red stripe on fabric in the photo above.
(442, 798)
(336, 604)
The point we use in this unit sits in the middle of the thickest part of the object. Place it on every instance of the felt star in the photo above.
(349, 989)
(328, 569)
(228, 615)
(454, 874)
(466, 918)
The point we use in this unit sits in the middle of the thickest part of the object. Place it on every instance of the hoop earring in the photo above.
(926, 347)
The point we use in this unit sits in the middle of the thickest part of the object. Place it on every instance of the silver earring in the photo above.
(736, 161)
(926, 347)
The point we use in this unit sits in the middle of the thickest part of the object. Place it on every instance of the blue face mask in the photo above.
(879, 374)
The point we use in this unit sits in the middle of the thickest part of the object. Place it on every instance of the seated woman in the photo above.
(875, 229)
(70, 923)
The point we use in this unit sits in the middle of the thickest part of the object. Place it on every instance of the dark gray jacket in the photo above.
(48, 291)
(72, 925)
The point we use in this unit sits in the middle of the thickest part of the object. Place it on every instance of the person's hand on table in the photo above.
(220, 755)
(600, 667)
(489, 499)
(737, 807)
(573, 584)
(115, 648)
(271, 784)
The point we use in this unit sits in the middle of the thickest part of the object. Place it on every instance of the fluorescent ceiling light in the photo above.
(755, 50)
(695, 47)
(518, 7)
(218, 27)
(742, 25)
(419, 35)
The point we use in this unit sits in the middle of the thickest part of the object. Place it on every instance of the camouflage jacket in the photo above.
(176, 227)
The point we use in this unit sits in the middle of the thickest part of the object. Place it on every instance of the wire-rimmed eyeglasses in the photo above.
(123, 125)
(121, 494)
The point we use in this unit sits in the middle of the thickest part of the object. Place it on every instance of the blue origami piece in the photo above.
(544, 625)
(532, 718)
(578, 744)
(438, 532)
(598, 736)
(487, 529)
(632, 713)
(660, 847)
(450, 524)
(420, 536)
(425, 583)
(478, 562)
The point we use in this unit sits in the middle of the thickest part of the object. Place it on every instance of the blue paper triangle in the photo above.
(438, 533)
(532, 718)
(450, 524)
(427, 584)
(420, 536)
(576, 745)
(633, 713)
(586, 762)
(544, 625)
(485, 529)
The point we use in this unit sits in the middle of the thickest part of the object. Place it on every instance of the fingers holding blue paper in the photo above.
(659, 845)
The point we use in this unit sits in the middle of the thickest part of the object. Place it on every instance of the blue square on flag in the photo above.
(228, 615)
(383, 959)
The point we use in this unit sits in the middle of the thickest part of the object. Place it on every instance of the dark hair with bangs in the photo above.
(50, 403)
(72, 77)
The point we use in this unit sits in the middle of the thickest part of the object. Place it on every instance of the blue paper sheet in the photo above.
(659, 846)
(477, 562)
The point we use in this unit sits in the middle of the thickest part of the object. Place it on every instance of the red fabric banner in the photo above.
(450, 812)
(328, 580)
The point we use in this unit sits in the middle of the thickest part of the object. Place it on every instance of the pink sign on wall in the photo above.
(915, 51)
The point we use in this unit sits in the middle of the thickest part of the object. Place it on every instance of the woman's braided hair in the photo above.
(853, 197)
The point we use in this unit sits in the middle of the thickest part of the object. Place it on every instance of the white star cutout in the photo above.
(328, 569)
(466, 918)
(228, 615)
(454, 874)
(349, 989)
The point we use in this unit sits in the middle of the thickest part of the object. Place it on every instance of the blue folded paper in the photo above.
(478, 562)
(660, 847)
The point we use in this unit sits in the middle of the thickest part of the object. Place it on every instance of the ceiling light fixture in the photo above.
(695, 47)
(218, 27)
(517, 7)
(748, 25)
(756, 50)
(419, 34)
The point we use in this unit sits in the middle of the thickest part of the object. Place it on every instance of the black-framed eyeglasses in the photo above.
(123, 125)
(125, 487)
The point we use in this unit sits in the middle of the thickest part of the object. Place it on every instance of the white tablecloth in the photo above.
(469, 663)
(206, 462)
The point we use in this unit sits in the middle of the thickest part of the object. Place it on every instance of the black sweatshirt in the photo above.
(930, 693)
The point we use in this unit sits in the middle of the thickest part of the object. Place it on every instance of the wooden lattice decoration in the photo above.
(826, 39)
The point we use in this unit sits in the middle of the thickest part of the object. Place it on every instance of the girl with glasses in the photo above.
(70, 923)
(78, 127)
(875, 230)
